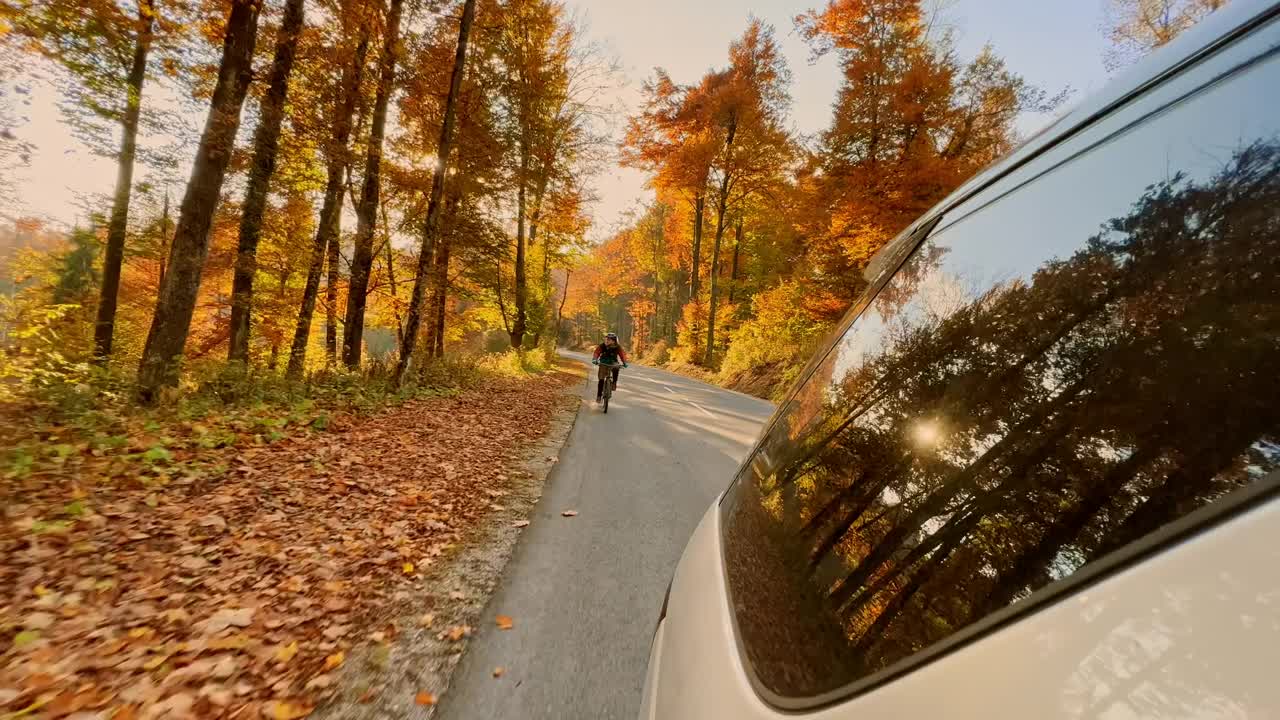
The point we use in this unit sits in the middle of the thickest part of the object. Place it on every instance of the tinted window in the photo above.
(1067, 364)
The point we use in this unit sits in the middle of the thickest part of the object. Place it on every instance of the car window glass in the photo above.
(1049, 378)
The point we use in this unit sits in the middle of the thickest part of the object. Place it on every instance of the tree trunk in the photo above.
(177, 300)
(366, 211)
(441, 299)
(266, 140)
(164, 239)
(520, 324)
(737, 249)
(439, 281)
(104, 328)
(334, 268)
(429, 230)
(721, 207)
(699, 206)
(331, 210)
(560, 309)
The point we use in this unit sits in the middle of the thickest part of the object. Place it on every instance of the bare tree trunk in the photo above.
(560, 309)
(331, 299)
(366, 211)
(104, 328)
(331, 209)
(266, 140)
(520, 324)
(439, 280)
(721, 207)
(429, 230)
(737, 249)
(177, 301)
(699, 206)
(440, 302)
(164, 239)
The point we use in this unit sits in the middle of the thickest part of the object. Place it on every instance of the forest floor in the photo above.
(210, 579)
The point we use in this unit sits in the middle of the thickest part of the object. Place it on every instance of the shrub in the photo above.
(769, 350)
(658, 354)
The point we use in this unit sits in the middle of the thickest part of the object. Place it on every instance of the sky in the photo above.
(1052, 43)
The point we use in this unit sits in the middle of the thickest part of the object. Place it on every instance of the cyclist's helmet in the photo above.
(611, 336)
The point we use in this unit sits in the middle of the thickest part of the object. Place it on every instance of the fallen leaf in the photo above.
(39, 621)
(367, 696)
(499, 671)
(424, 698)
(214, 521)
(334, 660)
(426, 620)
(285, 653)
(569, 513)
(229, 617)
(456, 595)
(520, 523)
(319, 682)
(408, 568)
(457, 632)
(286, 710)
(505, 622)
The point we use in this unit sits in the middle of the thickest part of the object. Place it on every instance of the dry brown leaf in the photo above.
(505, 622)
(457, 632)
(367, 696)
(569, 513)
(424, 698)
(426, 620)
(520, 523)
(499, 671)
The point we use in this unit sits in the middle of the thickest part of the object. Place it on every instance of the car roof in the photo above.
(1219, 28)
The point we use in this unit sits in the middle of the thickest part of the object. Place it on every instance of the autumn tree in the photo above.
(172, 320)
(911, 122)
(367, 208)
(266, 140)
(430, 227)
(748, 112)
(343, 96)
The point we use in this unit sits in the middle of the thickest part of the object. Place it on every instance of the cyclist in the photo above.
(611, 353)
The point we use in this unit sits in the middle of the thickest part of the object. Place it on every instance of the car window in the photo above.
(1052, 375)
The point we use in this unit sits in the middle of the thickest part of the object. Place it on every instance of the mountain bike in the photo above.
(606, 374)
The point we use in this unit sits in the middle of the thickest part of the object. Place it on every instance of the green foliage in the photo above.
(35, 365)
(77, 274)
(514, 363)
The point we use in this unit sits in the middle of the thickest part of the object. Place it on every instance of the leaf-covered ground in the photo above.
(239, 594)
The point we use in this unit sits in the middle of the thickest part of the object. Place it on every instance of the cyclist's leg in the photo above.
(615, 377)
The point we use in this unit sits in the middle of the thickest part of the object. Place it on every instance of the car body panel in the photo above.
(1191, 633)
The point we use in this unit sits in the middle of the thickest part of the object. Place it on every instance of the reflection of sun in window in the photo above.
(926, 433)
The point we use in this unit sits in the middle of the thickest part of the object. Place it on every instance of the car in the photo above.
(1034, 472)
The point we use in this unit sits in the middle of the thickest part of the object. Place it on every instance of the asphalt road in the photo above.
(584, 591)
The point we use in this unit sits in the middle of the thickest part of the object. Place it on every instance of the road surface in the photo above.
(585, 591)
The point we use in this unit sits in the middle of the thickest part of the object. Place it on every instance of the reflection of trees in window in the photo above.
(989, 450)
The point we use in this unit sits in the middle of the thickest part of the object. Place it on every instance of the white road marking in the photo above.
(708, 412)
